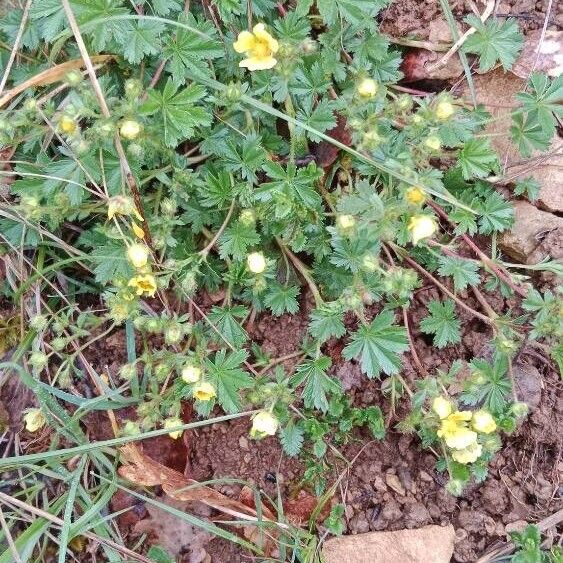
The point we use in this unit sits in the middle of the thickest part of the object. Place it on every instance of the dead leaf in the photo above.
(176, 536)
(53, 74)
(326, 153)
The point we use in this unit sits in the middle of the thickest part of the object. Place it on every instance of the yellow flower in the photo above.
(345, 222)
(433, 143)
(259, 46)
(130, 129)
(121, 205)
(256, 262)
(415, 195)
(455, 432)
(442, 407)
(264, 424)
(144, 284)
(138, 255)
(139, 233)
(204, 391)
(172, 423)
(191, 374)
(483, 422)
(367, 88)
(34, 420)
(444, 110)
(68, 125)
(422, 227)
(469, 454)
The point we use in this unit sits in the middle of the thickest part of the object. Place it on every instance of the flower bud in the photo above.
(34, 420)
(173, 423)
(131, 428)
(370, 262)
(345, 222)
(73, 77)
(38, 322)
(130, 129)
(367, 88)
(191, 373)
(519, 409)
(256, 262)
(444, 110)
(128, 371)
(138, 255)
(68, 125)
(30, 104)
(133, 88)
(233, 92)
(264, 424)
(173, 334)
(433, 143)
(38, 360)
(421, 227)
(247, 217)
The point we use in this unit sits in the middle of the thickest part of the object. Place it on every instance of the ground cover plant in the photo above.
(177, 171)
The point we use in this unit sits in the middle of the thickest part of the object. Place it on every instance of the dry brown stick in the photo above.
(130, 179)
(499, 271)
(55, 520)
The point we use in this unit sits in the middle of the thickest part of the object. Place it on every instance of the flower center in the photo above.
(261, 49)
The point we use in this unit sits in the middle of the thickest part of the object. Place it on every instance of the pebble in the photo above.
(394, 483)
(243, 443)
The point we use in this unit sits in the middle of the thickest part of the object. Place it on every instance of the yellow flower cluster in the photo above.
(460, 430)
(259, 47)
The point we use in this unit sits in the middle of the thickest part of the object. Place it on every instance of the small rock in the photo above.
(517, 526)
(530, 226)
(471, 520)
(379, 485)
(431, 544)
(391, 511)
(243, 443)
(416, 515)
(528, 381)
(423, 476)
(359, 524)
(394, 483)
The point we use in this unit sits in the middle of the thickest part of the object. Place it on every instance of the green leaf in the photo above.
(488, 385)
(359, 12)
(281, 299)
(327, 322)
(224, 319)
(496, 214)
(464, 272)
(320, 116)
(334, 522)
(529, 187)
(309, 81)
(140, 38)
(317, 383)
(291, 438)
(494, 41)
(442, 323)
(111, 262)
(477, 159)
(218, 189)
(225, 373)
(528, 135)
(177, 110)
(244, 157)
(189, 50)
(237, 239)
(378, 346)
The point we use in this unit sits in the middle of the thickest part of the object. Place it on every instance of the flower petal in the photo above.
(245, 42)
(258, 63)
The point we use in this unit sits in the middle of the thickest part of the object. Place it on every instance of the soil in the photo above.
(411, 18)
(393, 483)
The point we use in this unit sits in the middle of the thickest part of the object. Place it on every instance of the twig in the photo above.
(130, 179)
(454, 48)
(212, 242)
(413, 352)
(444, 289)
(16, 46)
(501, 274)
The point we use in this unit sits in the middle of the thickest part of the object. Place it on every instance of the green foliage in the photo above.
(463, 272)
(489, 384)
(442, 323)
(317, 384)
(378, 346)
(495, 41)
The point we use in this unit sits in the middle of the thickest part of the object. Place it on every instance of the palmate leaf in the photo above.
(224, 320)
(321, 116)
(494, 41)
(359, 12)
(318, 384)
(442, 323)
(140, 38)
(237, 239)
(327, 322)
(528, 135)
(225, 372)
(177, 110)
(496, 214)
(529, 187)
(281, 299)
(542, 101)
(477, 159)
(463, 272)
(378, 346)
